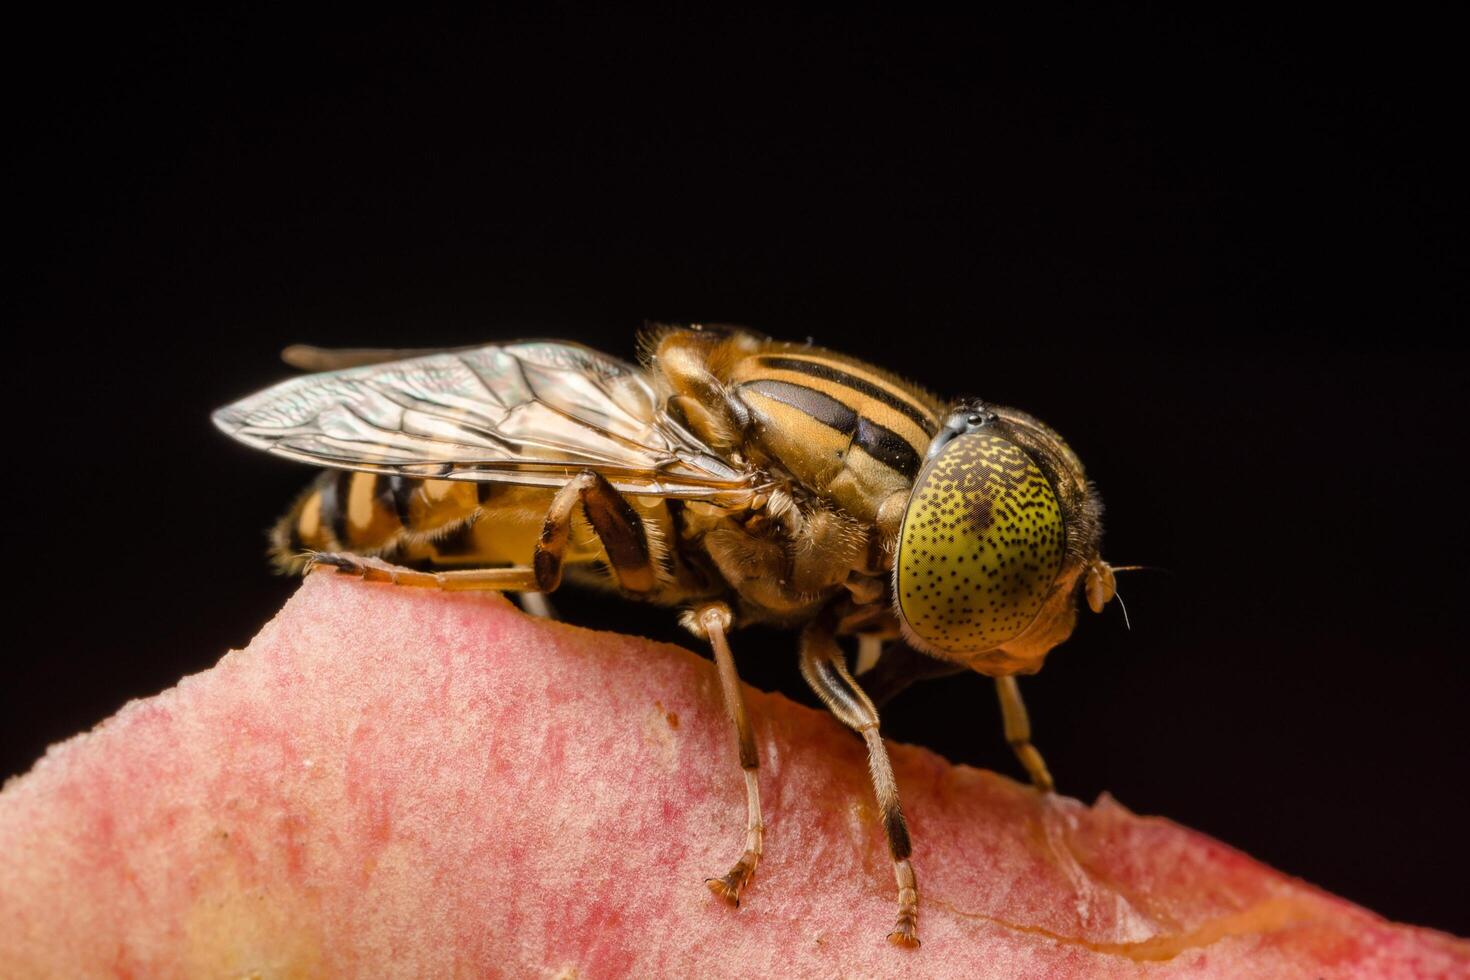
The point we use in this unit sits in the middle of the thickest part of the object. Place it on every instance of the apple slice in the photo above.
(390, 782)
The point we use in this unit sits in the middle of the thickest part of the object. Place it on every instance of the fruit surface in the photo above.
(390, 782)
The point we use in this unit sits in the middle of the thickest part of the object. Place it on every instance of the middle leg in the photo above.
(824, 668)
(712, 622)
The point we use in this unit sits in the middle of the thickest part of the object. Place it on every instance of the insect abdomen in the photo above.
(375, 514)
(432, 523)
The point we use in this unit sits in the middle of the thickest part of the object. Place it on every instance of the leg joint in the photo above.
(750, 759)
(616, 523)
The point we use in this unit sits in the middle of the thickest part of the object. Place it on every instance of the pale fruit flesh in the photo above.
(391, 782)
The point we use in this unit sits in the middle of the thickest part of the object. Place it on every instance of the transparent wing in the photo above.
(529, 413)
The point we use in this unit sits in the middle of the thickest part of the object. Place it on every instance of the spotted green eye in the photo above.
(981, 544)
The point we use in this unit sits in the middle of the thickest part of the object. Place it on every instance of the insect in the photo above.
(736, 478)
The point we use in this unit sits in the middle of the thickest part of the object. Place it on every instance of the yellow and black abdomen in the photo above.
(845, 429)
(410, 521)
(367, 514)
(439, 523)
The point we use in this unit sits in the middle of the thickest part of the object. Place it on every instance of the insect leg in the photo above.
(1018, 733)
(713, 621)
(617, 524)
(823, 667)
(516, 579)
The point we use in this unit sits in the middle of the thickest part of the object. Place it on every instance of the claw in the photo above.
(905, 932)
(724, 890)
(342, 563)
(730, 886)
(906, 928)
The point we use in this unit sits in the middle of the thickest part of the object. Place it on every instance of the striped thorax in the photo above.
(844, 429)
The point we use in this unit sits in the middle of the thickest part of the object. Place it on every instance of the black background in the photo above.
(1223, 257)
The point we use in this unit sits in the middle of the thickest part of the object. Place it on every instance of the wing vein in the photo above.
(527, 412)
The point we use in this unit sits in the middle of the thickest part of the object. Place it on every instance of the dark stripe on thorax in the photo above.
(883, 444)
(825, 371)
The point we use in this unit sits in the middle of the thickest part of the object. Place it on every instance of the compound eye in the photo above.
(981, 545)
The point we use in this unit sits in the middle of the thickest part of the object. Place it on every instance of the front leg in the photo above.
(1018, 733)
(823, 667)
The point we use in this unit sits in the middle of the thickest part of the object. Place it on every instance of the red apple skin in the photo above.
(395, 783)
